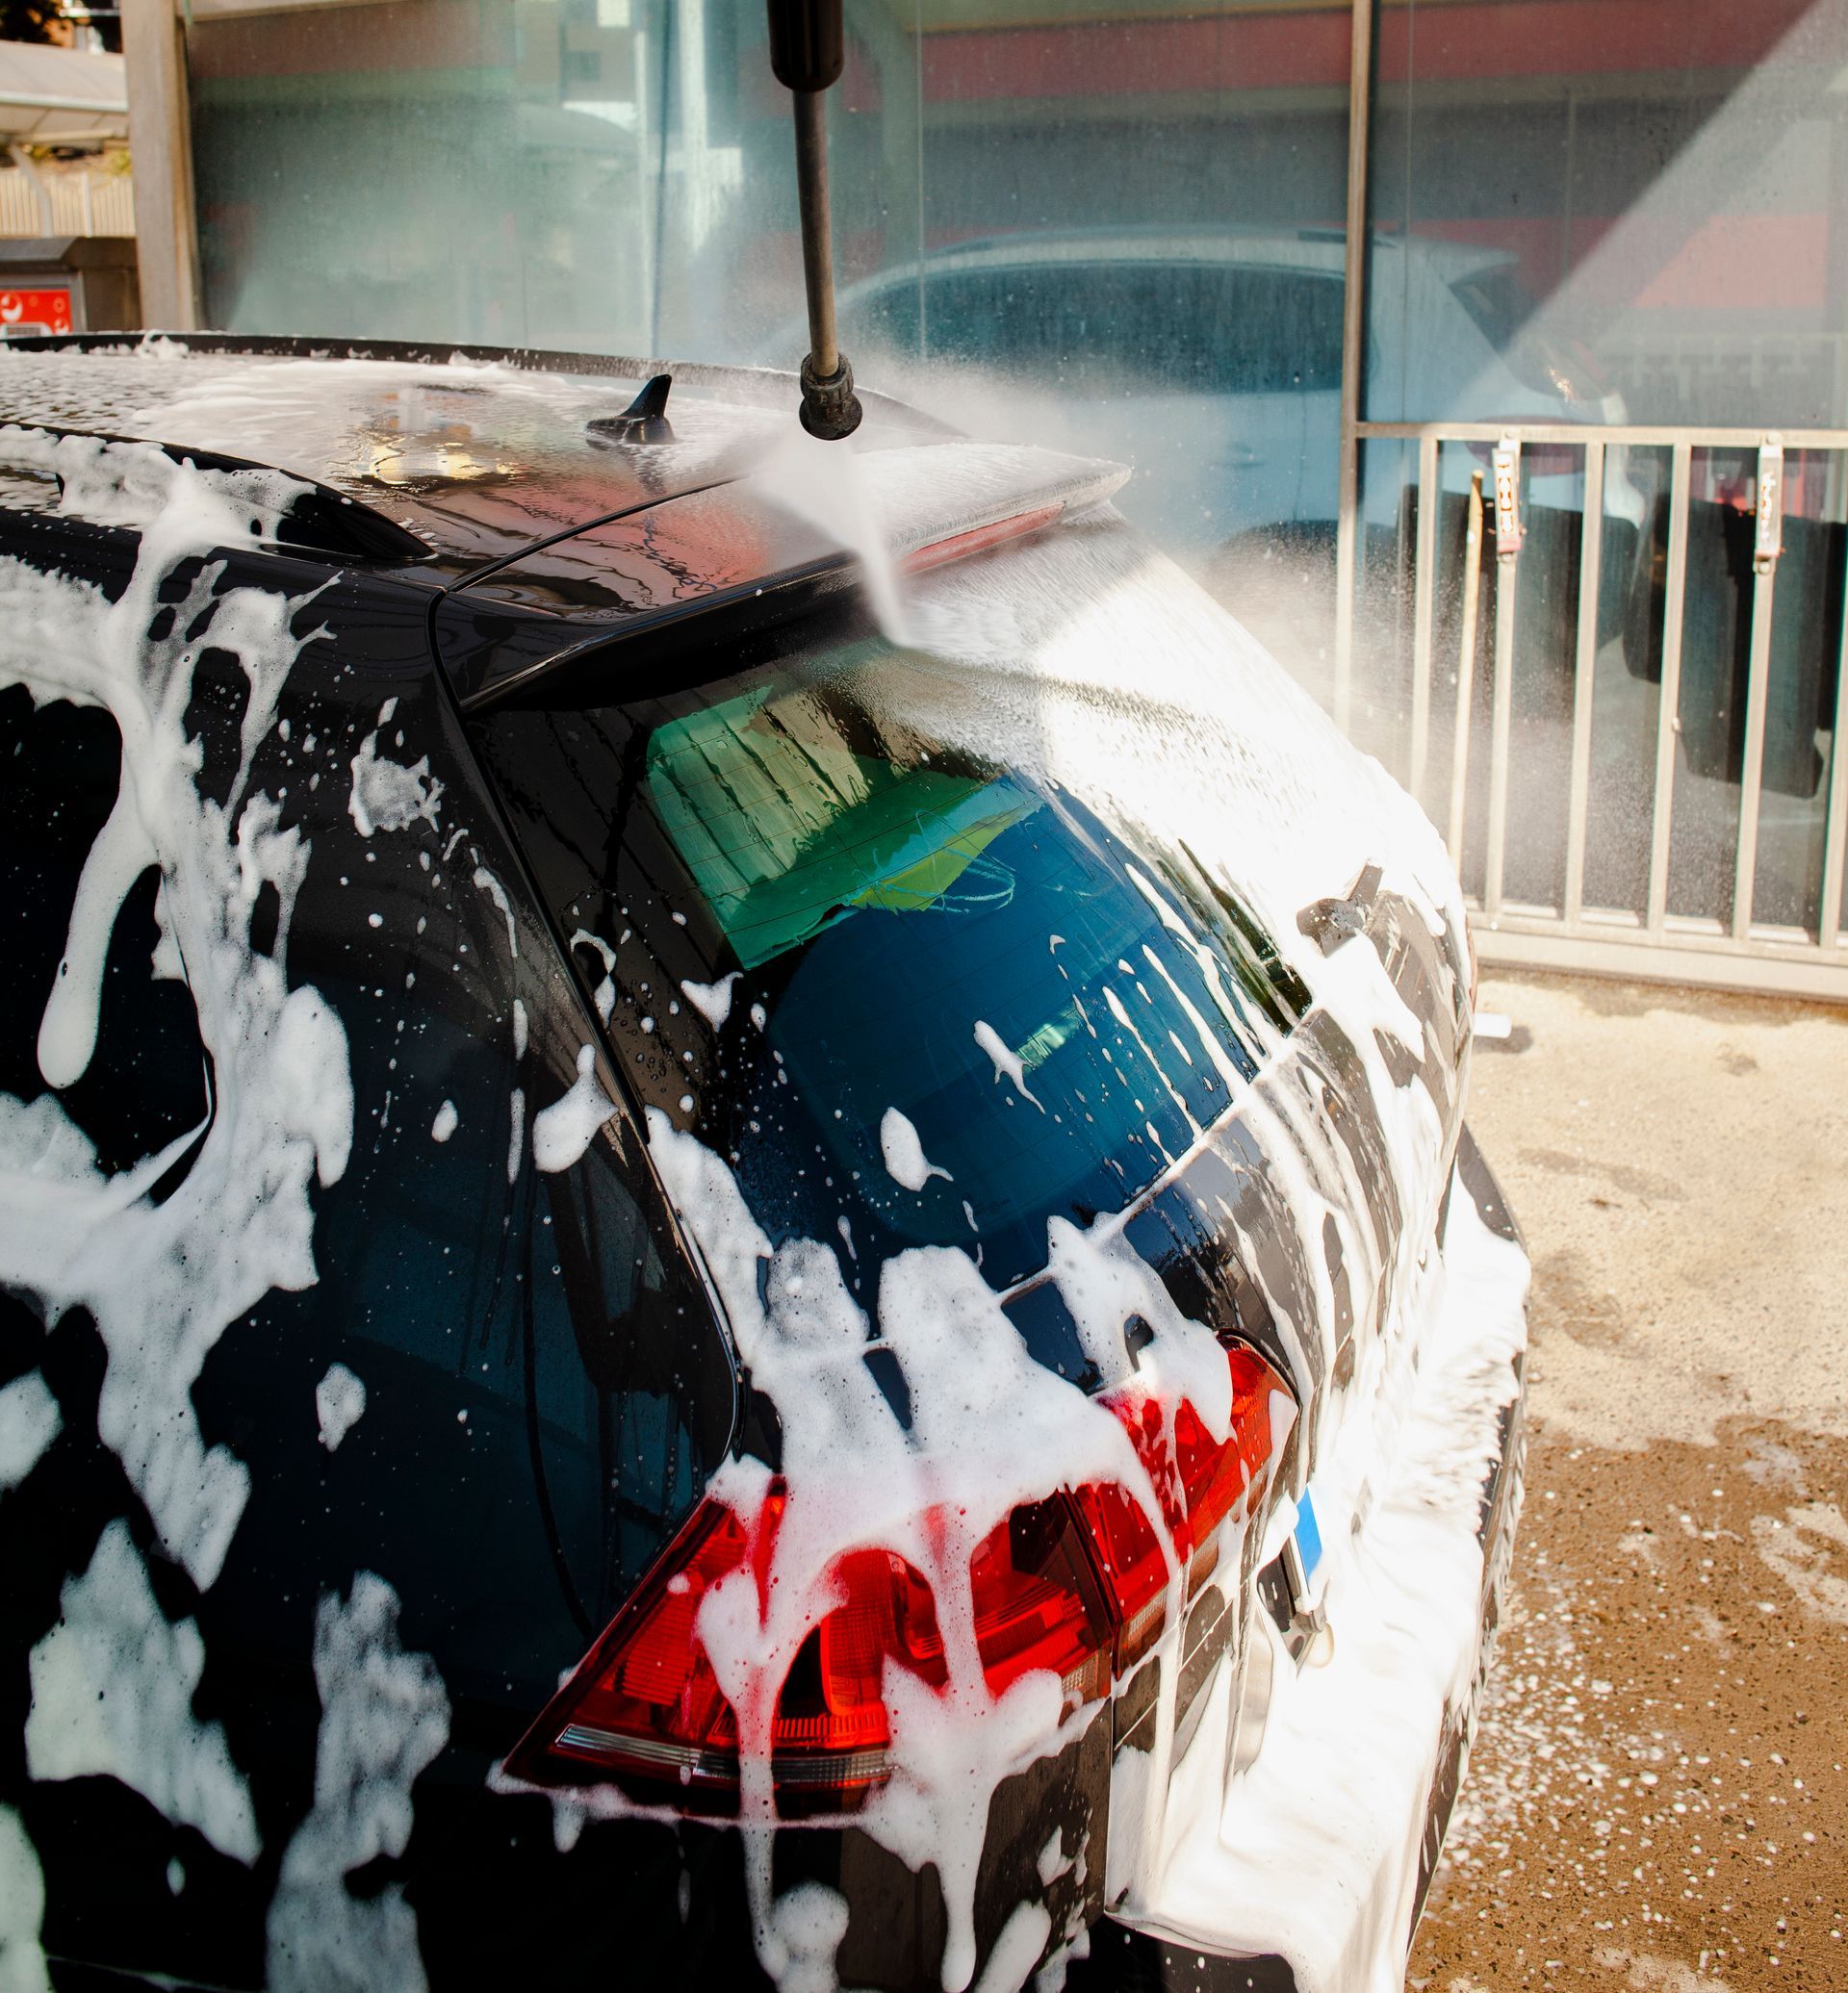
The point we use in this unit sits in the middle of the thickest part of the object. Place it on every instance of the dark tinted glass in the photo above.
(955, 1011)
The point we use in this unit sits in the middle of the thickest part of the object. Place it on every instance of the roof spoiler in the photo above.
(932, 504)
(944, 501)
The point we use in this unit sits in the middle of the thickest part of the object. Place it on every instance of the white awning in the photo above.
(60, 97)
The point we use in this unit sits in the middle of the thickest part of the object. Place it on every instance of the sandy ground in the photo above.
(1657, 1797)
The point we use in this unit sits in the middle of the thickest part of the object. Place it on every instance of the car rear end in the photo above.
(973, 1429)
(1052, 1038)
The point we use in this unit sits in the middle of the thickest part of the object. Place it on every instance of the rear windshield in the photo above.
(913, 996)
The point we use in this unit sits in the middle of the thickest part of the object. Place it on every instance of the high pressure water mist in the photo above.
(805, 54)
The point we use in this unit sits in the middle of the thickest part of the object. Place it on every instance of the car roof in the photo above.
(479, 452)
(1320, 249)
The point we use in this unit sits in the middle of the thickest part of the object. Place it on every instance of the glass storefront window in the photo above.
(1613, 211)
(1102, 227)
(1116, 228)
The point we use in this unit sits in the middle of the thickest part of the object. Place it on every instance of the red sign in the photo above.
(23, 313)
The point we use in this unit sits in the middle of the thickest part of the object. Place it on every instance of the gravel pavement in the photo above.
(1657, 1797)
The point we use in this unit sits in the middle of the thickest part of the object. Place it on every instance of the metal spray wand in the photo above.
(806, 48)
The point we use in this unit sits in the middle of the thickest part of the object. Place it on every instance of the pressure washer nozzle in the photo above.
(829, 407)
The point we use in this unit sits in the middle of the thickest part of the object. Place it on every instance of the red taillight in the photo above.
(647, 1699)
(1075, 1585)
(1199, 1482)
(1038, 1604)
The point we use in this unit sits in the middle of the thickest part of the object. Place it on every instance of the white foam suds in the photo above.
(29, 1421)
(22, 1909)
(497, 893)
(386, 795)
(519, 1029)
(340, 1403)
(1017, 1951)
(1800, 1546)
(163, 1282)
(562, 1132)
(604, 995)
(1008, 1062)
(807, 1926)
(990, 1428)
(1301, 1854)
(112, 1694)
(444, 1125)
(827, 486)
(711, 1000)
(903, 1155)
(138, 485)
(384, 1716)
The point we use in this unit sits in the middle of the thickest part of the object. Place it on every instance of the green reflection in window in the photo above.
(787, 825)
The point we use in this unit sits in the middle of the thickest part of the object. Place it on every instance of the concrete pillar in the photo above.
(160, 135)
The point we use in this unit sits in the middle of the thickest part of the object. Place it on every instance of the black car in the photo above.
(694, 1292)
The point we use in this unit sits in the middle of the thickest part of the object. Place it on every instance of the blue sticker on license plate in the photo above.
(1308, 1534)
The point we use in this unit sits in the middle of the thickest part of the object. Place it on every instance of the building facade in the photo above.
(1305, 263)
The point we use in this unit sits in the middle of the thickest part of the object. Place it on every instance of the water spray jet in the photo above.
(806, 49)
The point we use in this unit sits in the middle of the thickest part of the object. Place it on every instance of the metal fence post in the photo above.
(1668, 716)
(1768, 543)
(1425, 602)
(1465, 671)
(1835, 834)
(1354, 348)
(1591, 545)
(1508, 555)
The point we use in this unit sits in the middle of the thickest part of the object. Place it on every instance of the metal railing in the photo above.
(82, 203)
(1729, 948)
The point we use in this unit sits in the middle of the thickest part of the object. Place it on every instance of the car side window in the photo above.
(1249, 331)
(1076, 326)
(1142, 326)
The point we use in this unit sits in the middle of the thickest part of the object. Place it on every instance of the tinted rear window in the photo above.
(909, 931)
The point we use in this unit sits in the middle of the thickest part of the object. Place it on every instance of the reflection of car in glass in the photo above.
(1212, 361)
(693, 1294)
